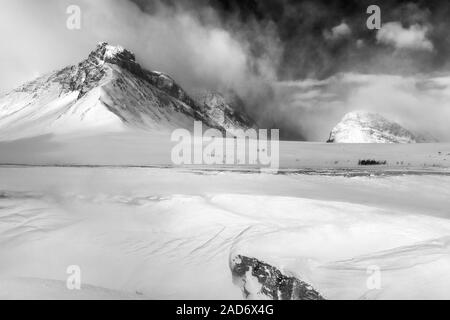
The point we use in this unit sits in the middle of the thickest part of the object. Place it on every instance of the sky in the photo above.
(298, 65)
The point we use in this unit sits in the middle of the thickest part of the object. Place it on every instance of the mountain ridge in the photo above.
(109, 91)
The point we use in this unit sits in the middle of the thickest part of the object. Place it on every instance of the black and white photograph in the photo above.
(212, 150)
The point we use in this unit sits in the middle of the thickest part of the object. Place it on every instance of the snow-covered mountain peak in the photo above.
(109, 91)
(368, 127)
(112, 53)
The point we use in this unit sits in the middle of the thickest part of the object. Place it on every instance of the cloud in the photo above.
(338, 32)
(190, 45)
(419, 103)
(414, 37)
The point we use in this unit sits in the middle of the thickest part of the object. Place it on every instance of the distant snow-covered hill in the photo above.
(366, 127)
(109, 91)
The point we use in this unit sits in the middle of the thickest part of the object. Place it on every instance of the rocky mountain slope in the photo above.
(108, 91)
(226, 110)
(366, 127)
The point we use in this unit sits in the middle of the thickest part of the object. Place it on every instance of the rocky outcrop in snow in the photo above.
(259, 280)
(366, 127)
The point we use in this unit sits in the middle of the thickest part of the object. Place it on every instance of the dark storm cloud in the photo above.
(329, 40)
(304, 29)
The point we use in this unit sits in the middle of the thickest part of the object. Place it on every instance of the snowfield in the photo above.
(172, 233)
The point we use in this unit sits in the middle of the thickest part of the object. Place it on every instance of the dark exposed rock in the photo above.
(274, 284)
(227, 110)
(88, 73)
(371, 162)
(126, 60)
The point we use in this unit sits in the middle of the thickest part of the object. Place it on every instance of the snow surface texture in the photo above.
(173, 233)
(107, 92)
(366, 127)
